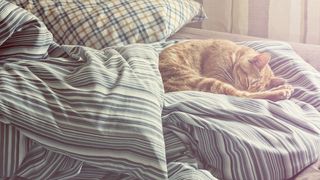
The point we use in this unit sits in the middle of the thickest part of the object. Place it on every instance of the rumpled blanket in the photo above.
(238, 138)
(71, 112)
(82, 108)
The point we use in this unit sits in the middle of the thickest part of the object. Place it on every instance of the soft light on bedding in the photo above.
(80, 106)
(73, 112)
(237, 138)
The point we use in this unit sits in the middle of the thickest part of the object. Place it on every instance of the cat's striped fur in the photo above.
(223, 67)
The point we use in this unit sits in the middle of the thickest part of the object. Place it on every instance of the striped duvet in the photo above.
(237, 138)
(80, 107)
(71, 112)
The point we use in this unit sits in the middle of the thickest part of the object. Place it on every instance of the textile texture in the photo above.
(73, 112)
(100, 23)
(80, 106)
(239, 138)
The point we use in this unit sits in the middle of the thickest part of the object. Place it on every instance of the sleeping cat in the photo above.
(223, 67)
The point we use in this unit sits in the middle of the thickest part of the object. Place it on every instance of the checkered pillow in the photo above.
(102, 23)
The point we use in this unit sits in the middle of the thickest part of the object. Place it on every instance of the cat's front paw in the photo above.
(281, 92)
(285, 93)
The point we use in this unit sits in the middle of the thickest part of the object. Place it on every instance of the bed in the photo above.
(82, 98)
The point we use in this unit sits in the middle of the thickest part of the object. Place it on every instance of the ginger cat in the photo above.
(223, 67)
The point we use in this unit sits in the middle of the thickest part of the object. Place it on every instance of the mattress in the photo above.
(73, 112)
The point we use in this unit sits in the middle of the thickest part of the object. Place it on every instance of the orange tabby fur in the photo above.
(223, 67)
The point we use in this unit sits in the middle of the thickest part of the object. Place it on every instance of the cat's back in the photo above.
(198, 47)
(192, 52)
(183, 48)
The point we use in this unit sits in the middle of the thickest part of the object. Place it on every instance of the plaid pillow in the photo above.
(102, 23)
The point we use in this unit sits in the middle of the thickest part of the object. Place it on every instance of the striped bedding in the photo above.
(71, 112)
(76, 108)
(236, 138)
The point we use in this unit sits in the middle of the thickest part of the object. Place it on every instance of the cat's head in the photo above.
(252, 72)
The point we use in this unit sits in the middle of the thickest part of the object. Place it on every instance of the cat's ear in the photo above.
(260, 60)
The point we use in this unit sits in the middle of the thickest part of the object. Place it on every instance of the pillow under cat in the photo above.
(223, 67)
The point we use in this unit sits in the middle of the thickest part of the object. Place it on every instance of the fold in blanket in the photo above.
(237, 138)
(71, 112)
(81, 107)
